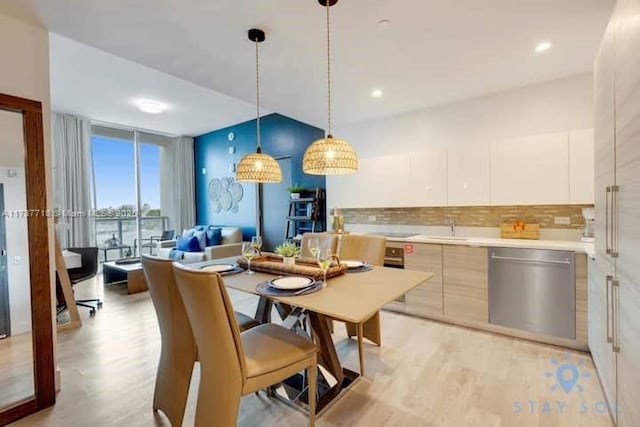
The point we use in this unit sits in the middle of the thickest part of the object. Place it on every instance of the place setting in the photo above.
(356, 266)
(289, 286)
(223, 269)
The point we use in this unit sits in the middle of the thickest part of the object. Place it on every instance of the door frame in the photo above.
(4, 286)
(39, 267)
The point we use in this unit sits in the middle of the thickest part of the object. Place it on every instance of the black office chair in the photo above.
(87, 270)
(151, 241)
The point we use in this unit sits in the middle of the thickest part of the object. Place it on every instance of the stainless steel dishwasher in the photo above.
(533, 290)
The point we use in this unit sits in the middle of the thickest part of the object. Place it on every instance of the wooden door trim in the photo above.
(38, 234)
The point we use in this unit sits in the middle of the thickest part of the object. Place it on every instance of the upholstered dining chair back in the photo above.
(326, 240)
(222, 362)
(178, 352)
(367, 248)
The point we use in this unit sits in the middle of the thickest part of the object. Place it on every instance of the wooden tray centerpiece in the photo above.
(273, 264)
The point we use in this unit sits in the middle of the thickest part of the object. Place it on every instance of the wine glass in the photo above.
(256, 242)
(248, 251)
(324, 261)
(314, 246)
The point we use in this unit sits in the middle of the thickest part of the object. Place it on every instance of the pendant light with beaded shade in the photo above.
(258, 167)
(329, 155)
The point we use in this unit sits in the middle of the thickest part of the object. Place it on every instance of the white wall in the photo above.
(17, 249)
(25, 73)
(555, 106)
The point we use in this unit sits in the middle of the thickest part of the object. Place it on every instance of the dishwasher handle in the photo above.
(512, 258)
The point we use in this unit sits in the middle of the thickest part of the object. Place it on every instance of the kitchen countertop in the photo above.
(556, 245)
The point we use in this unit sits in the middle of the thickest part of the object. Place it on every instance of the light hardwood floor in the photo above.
(16, 369)
(425, 374)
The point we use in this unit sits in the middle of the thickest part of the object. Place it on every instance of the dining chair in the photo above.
(326, 241)
(371, 249)
(178, 352)
(234, 364)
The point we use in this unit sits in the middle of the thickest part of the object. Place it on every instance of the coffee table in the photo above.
(132, 274)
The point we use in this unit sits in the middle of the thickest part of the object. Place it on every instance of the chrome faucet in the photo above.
(452, 224)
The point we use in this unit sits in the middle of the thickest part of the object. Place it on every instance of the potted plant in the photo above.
(295, 191)
(288, 251)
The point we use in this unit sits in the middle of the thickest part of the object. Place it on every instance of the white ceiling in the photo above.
(92, 83)
(433, 52)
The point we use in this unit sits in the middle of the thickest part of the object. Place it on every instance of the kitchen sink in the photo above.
(422, 236)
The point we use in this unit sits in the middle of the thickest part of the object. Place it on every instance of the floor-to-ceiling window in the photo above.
(127, 180)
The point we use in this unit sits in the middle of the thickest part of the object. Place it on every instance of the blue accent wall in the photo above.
(281, 136)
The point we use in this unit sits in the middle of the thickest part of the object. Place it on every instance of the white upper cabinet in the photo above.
(469, 175)
(342, 191)
(530, 170)
(384, 181)
(556, 168)
(581, 166)
(427, 185)
(379, 182)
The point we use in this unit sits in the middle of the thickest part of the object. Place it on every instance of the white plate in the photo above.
(291, 283)
(219, 268)
(351, 264)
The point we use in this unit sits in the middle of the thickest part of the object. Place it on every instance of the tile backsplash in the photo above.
(469, 216)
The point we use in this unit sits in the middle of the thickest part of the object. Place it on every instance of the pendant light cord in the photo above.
(258, 97)
(328, 69)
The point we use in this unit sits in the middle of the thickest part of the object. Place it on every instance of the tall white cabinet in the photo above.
(614, 282)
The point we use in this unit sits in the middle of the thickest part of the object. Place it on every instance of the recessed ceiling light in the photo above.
(543, 46)
(377, 93)
(149, 106)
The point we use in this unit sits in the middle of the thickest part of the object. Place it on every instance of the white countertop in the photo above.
(556, 245)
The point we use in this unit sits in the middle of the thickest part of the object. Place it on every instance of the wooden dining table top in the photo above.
(351, 297)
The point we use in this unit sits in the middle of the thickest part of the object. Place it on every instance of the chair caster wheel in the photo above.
(100, 305)
(92, 313)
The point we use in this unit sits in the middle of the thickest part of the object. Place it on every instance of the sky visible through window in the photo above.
(114, 170)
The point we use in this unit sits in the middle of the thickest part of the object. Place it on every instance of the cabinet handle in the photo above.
(614, 221)
(608, 304)
(606, 221)
(544, 261)
(615, 288)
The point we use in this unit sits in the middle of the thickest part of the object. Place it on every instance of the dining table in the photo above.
(350, 297)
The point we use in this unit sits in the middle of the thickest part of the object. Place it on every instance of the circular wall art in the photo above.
(226, 194)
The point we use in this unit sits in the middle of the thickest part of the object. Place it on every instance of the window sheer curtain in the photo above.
(177, 186)
(73, 180)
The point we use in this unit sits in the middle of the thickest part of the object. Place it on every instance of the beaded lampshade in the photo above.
(258, 167)
(330, 156)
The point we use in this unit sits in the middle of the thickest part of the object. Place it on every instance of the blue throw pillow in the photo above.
(188, 232)
(202, 239)
(214, 236)
(188, 244)
(200, 227)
